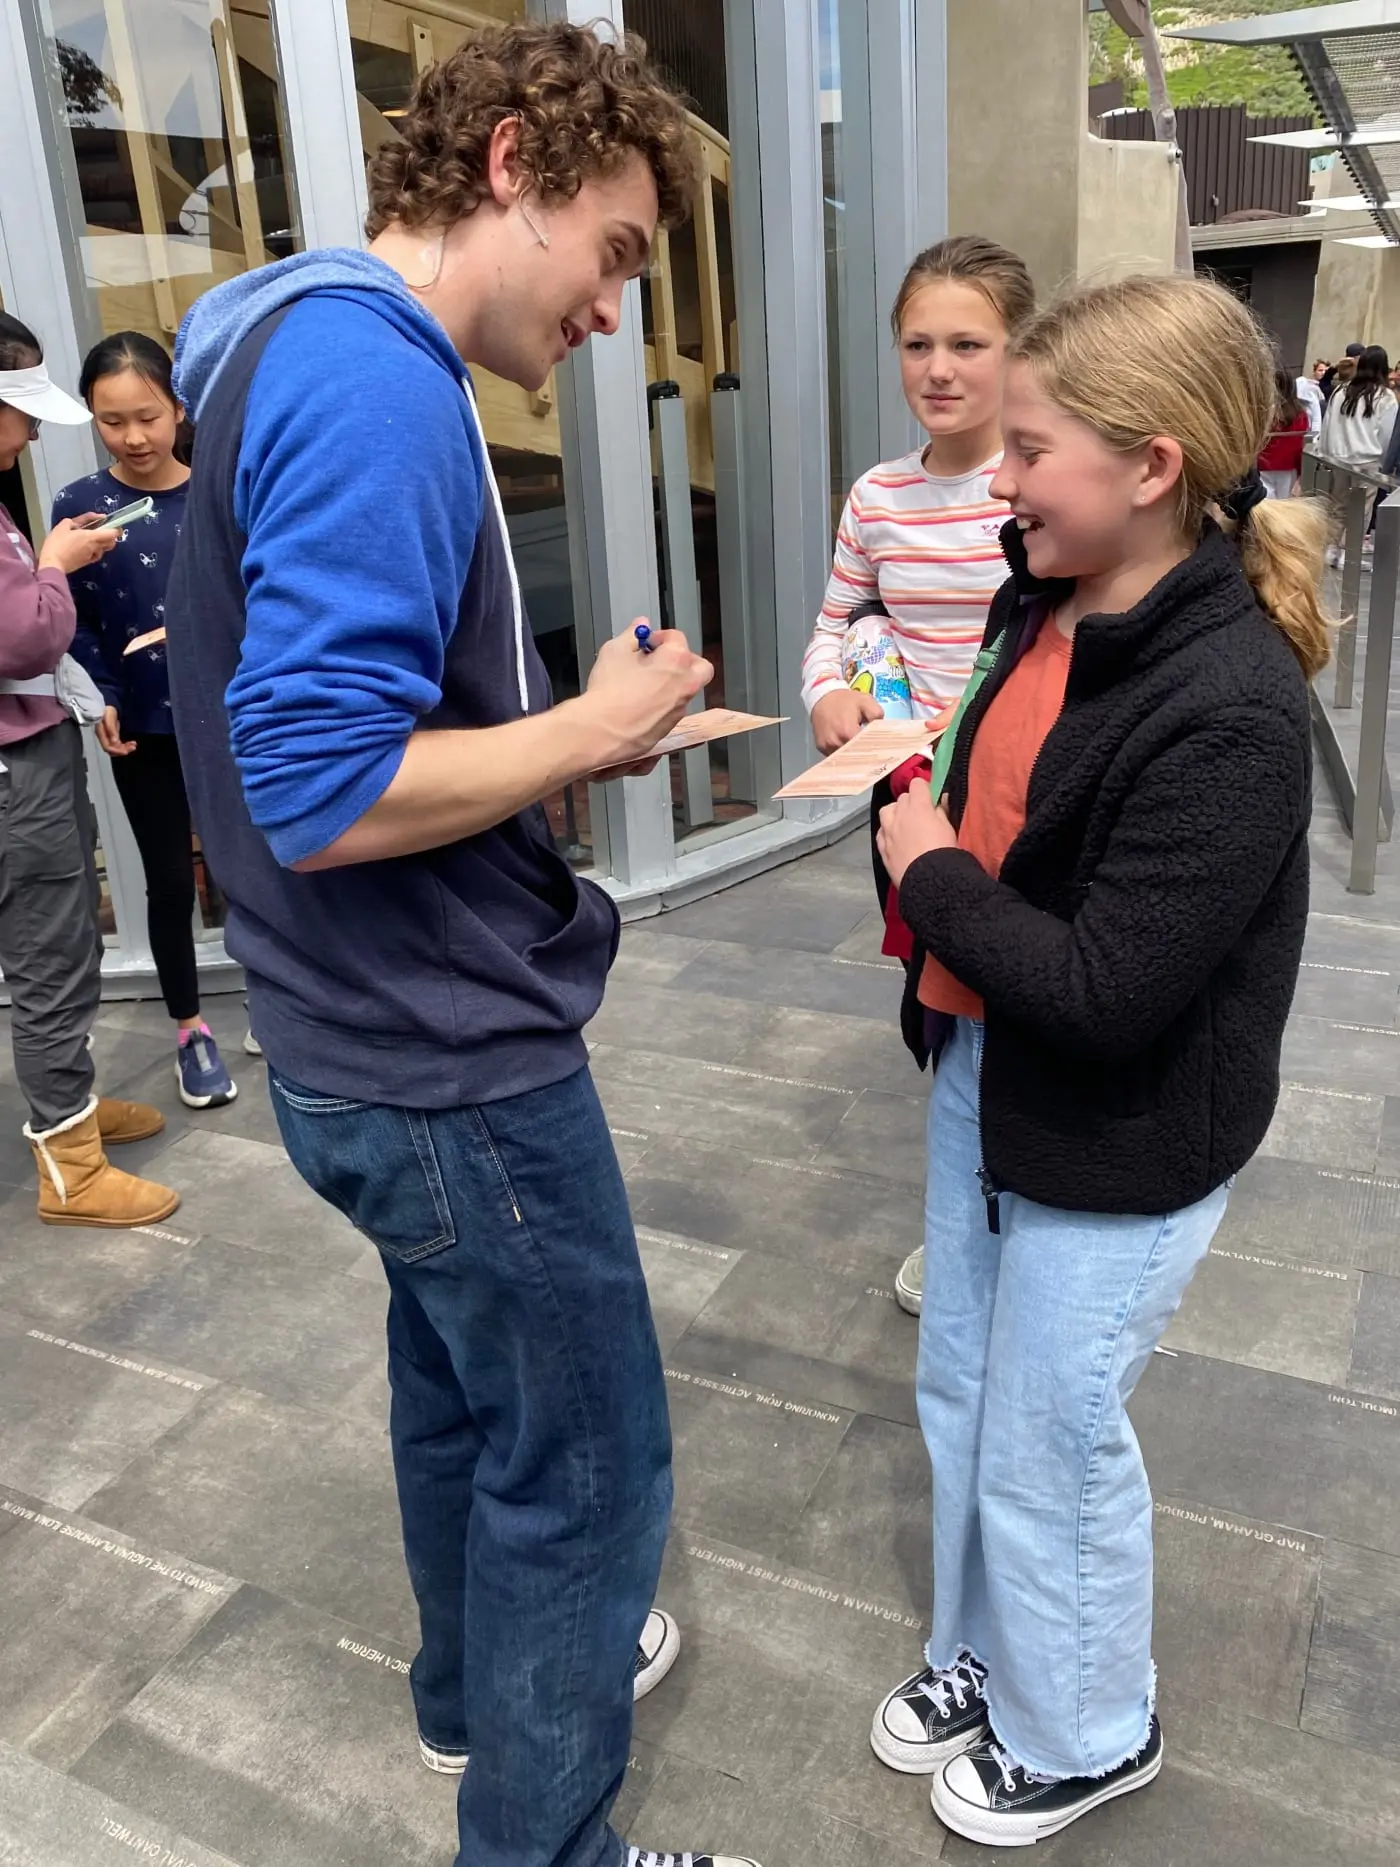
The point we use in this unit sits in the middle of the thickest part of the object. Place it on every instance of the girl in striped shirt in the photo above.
(920, 534)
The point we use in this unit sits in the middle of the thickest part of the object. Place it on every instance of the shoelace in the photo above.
(639, 1857)
(1010, 1770)
(1006, 1766)
(966, 1676)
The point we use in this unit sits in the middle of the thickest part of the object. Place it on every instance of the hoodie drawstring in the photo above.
(517, 607)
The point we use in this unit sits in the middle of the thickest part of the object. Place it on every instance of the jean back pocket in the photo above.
(375, 1164)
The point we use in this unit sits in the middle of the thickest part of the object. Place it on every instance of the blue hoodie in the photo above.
(344, 579)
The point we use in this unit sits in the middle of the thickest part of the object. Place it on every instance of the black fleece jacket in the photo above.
(1138, 954)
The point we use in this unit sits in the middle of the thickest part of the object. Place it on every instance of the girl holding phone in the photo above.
(50, 947)
(126, 382)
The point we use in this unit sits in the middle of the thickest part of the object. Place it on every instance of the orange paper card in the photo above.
(698, 729)
(876, 751)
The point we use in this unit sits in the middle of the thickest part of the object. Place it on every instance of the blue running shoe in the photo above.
(199, 1070)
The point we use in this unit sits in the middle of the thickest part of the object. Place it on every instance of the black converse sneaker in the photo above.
(988, 1798)
(639, 1857)
(656, 1652)
(933, 1717)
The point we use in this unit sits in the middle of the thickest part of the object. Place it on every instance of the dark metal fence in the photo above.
(1225, 172)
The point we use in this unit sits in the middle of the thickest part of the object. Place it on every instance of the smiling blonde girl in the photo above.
(1110, 904)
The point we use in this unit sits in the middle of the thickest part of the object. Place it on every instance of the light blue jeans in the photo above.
(1030, 1343)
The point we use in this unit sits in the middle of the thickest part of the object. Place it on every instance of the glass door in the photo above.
(690, 325)
(172, 152)
(171, 111)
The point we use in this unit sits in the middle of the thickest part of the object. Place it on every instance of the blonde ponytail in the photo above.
(1281, 547)
(1183, 357)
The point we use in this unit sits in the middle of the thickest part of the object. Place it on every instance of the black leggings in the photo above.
(152, 788)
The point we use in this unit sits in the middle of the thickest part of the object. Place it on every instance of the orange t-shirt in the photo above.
(1010, 736)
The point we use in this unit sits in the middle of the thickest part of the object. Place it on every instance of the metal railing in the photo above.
(1364, 797)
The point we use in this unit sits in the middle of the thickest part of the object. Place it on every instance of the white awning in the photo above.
(1348, 56)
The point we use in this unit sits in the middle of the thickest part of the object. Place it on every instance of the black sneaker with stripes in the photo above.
(934, 1716)
(639, 1857)
(988, 1798)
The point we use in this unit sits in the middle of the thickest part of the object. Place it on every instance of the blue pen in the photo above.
(643, 635)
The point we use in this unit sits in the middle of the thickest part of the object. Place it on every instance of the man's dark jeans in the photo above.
(530, 1438)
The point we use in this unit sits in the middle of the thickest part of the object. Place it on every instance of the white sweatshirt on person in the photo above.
(1358, 439)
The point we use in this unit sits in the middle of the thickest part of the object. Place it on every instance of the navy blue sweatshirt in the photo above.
(343, 581)
(122, 596)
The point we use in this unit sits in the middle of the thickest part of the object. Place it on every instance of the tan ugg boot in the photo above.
(78, 1184)
(126, 1121)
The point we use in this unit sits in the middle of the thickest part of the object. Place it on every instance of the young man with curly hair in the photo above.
(367, 734)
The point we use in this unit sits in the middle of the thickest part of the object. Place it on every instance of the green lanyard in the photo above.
(943, 753)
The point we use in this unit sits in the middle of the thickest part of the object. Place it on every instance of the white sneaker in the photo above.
(445, 1762)
(657, 1651)
(251, 1044)
(909, 1285)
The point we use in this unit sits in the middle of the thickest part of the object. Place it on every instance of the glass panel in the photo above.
(690, 328)
(834, 219)
(390, 44)
(171, 107)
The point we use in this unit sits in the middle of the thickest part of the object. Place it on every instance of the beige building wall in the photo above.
(1356, 300)
(1357, 295)
(1017, 90)
(1022, 167)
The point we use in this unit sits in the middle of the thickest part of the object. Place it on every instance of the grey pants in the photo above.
(50, 946)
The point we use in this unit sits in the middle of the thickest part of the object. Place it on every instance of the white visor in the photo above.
(34, 395)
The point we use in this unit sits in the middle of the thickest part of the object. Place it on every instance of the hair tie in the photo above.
(1243, 497)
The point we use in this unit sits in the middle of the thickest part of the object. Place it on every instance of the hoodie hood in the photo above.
(217, 324)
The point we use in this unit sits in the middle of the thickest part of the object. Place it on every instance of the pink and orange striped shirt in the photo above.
(927, 548)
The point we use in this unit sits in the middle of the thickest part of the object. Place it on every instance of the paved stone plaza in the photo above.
(204, 1617)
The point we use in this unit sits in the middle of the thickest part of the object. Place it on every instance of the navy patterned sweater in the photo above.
(123, 596)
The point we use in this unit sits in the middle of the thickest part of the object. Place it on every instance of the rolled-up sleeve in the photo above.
(359, 492)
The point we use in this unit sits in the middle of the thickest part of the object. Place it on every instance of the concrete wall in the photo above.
(1346, 300)
(1022, 167)
(1017, 76)
(1357, 300)
(1128, 195)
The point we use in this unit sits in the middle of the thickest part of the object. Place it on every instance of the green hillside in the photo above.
(1264, 80)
